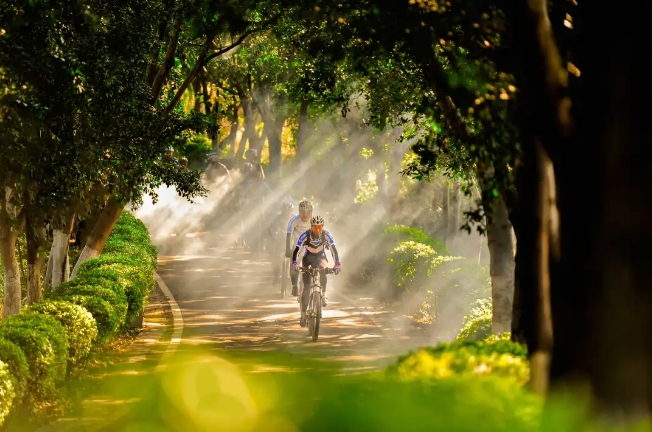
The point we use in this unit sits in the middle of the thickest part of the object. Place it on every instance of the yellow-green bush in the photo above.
(16, 362)
(459, 403)
(500, 358)
(7, 391)
(477, 324)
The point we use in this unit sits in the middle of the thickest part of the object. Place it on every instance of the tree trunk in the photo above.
(197, 93)
(444, 217)
(381, 179)
(302, 130)
(100, 233)
(249, 128)
(12, 288)
(59, 262)
(454, 219)
(602, 314)
(501, 266)
(11, 224)
(274, 138)
(35, 260)
(394, 181)
(168, 60)
(535, 258)
(543, 115)
(233, 132)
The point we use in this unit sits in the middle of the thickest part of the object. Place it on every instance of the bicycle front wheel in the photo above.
(316, 315)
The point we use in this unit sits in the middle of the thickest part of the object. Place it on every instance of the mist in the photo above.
(352, 175)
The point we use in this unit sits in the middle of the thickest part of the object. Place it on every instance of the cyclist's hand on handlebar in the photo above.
(336, 268)
(295, 266)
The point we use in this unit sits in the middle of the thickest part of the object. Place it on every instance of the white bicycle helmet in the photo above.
(317, 220)
(305, 207)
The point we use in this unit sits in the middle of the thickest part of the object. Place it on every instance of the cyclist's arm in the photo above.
(290, 229)
(302, 240)
(331, 241)
(261, 172)
(336, 255)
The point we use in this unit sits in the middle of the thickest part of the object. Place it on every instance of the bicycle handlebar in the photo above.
(328, 270)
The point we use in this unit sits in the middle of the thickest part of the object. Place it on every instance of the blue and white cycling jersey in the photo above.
(315, 245)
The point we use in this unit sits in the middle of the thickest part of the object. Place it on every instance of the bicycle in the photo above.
(313, 311)
(285, 275)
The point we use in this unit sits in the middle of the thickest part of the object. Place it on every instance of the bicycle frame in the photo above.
(313, 311)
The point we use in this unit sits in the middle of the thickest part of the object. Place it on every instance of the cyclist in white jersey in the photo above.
(297, 225)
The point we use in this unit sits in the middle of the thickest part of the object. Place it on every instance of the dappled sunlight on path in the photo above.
(228, 302)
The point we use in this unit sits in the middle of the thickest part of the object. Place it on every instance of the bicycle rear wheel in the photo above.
(316, 315)
(284, 277)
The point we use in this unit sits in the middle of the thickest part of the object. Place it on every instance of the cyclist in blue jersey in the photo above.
(314, 243)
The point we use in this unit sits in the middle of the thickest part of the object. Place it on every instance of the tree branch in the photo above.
(230, 47)
(168, 62)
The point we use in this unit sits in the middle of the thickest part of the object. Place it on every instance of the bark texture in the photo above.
(100, 233)
(501, 266)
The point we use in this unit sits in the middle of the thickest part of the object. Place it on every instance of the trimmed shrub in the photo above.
(107, 320)
(117, 300)
(43, 341)
(38, 344)
(80, 327)
(7, 391)
(15, 359)
(137, 280)
(502, 358)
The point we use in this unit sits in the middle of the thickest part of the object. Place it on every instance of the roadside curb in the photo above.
(161, 314)
(177, 322)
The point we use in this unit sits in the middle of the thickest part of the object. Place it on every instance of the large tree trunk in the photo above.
(59, 262)
(11, 224)
(602, 314)
(12, 288)
(100, 233)
(501, 266)
(536, 255)
(544, 119)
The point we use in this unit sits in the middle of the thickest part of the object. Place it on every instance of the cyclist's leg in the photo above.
(323, 280)
(305, 295)
(294, 277)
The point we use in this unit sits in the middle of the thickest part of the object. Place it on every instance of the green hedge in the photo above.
(43, 342)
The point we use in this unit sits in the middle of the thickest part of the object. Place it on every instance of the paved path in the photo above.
(235, 326)
(229, 303)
